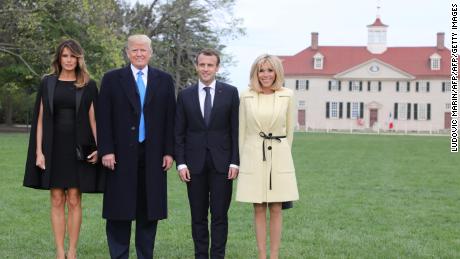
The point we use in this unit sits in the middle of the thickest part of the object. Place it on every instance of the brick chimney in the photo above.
(314, 40)
(440, 40)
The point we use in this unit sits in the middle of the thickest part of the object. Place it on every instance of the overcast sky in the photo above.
(283, 27)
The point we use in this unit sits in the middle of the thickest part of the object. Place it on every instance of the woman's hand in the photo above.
(40, 161)
(92, 158)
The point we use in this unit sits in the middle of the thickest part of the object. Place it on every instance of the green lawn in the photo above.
(361, 196)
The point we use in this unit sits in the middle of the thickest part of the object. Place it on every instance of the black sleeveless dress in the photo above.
(64, 162)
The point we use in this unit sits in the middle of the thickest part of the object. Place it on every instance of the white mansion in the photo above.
(372, 87)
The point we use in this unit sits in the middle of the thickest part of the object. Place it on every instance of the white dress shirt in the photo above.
(145, 71)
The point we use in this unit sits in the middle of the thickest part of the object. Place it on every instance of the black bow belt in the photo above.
(270, 137)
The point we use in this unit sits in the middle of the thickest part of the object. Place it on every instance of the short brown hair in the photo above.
(275, 62)
(208, 52)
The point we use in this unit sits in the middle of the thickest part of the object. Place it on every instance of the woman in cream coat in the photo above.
(266, 127)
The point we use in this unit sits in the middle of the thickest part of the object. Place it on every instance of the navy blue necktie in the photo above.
(207, 106)
(141, 87)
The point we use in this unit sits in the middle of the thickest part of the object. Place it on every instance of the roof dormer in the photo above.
(435, 61)
(318, 61)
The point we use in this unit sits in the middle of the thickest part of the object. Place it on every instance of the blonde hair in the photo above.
(275, 62)
(81, 72)
(139, 38)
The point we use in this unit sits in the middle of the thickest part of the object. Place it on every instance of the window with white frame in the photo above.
(423, 86)
(422, 111)
(448, 105)
(445, 86)
(318, 59)
(301, 103)
(355, 85)
(435, 61)
(355, 110)
(373, 86)
(334, 110)
(402, 111)
(334, 85)
(301, 84)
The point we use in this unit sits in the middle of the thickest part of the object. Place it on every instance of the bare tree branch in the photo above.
(22, 59)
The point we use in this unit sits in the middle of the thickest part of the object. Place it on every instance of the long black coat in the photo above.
(90, 178)
(192, 136)
(117, 123)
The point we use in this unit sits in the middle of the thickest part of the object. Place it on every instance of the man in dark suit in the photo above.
(206, 134)
(135, 125)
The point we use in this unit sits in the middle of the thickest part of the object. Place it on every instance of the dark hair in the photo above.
(208, 52)
(81, 73)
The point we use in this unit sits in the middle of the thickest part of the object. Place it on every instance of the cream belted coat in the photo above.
(272, 180)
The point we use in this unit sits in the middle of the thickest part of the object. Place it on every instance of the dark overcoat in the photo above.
(118, 120)
(193, 138)
(90, 177)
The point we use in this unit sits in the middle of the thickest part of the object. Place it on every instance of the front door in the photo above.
(447, 119)
(301, 118)
(373, 117)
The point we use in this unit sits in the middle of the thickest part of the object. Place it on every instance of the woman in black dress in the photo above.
(64, 119)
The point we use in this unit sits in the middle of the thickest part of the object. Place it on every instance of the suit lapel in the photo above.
(151, 81)
(51, 86)
(218, 95)
(196, 104)
(128, 84)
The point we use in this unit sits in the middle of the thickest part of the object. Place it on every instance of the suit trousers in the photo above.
(119, 231)
(209, 190)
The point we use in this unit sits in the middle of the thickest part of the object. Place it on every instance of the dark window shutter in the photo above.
(348, 110)
(327, 109)
(428, 111)
(360, 86)
(340, 110)
(408, 111)
(297, 84)
(427, 87)
(416, 86)
(308, 84)
(340, 85)
(361, 110)
(443, 87)
(380, 86)
(408, 86)
(349, 86)
(415, 111)
(395, 112)
(368, 86)
(329, 86)
(397, 86)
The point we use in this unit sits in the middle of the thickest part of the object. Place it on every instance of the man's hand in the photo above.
(167, 162)
(109, 161)
(232, 173)
(184, 175)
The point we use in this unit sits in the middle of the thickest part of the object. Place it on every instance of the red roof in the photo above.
(377, 23)
(337, 59)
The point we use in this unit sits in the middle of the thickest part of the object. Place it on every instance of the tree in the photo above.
(179, 29)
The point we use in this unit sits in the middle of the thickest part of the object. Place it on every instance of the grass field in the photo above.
(361, 196)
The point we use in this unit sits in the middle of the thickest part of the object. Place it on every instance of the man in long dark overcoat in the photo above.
(135, 126)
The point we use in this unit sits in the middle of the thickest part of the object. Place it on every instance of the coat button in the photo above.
(133, 128)
(269, 147)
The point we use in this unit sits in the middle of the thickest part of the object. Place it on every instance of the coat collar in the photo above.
(254, 97)
(51, 82)
(130, 88)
